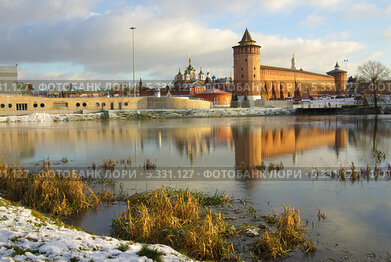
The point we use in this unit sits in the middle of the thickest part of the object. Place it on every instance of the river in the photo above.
(357, 226)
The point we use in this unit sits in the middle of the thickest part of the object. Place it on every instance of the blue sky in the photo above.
(90, 39)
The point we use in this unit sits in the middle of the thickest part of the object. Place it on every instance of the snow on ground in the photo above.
(26, 237)
(135, 114)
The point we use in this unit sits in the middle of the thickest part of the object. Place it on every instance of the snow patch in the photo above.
(44, 240)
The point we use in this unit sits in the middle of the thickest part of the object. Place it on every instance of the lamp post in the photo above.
(134, 86)
(346, 61)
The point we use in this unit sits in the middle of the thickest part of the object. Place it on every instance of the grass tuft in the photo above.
(180, 219)
(151, 254)
(47, 191)
(123, 248)
(287, 235)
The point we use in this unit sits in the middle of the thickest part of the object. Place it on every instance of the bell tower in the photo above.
(247, 68)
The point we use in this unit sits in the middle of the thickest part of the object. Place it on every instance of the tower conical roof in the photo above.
(246, 38)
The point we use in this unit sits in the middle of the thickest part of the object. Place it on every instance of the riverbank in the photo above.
(28, 235)
(151, 114)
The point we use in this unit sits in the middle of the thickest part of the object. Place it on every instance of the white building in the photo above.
(9, 73)
(8, 79)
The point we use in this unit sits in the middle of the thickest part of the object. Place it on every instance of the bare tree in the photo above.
(374, 72)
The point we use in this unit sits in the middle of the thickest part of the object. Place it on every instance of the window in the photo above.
(42, 105)
(77, 104)
(242, 76)
(126, 104)
(215, 101)
(245, 60)
(21, 106)
(60, 105)
(84, 104)
(2, 105)
(9, 105)
(97, 104)
(35, 105)
(103, 104)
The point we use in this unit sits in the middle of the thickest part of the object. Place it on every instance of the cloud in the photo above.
(387, 34)
(313, 21)
(317, 55)
(364, 10)
(290, 5)
(100, 43)
(19, 12)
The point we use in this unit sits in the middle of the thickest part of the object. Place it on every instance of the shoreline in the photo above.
(28, 235)
(151, 114)
(146, 114)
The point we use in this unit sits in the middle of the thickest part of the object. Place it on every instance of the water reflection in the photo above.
(357, 213)
(244, 142)
(253, 144)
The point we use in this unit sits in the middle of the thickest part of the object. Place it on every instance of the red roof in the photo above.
(214, 91)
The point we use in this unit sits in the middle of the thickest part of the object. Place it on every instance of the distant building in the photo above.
(9, 73)
(256, 81)
(216, 96)
(190, 79)
(8, 78)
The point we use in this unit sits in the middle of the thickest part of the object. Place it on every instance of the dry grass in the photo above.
(287, 235)
(108, 164)
(47, 191)
(177, 219)
(148, 165)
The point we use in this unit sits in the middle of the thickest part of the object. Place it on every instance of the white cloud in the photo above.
(313, 21)
(18, 12)
(387, 34)
(290, 5)
(363, 10)
(101, 44)
(317, 55)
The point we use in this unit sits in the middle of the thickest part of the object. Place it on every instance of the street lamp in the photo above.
(134, 86)
(346, 61)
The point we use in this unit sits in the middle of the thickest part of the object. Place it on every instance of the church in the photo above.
(254, 81)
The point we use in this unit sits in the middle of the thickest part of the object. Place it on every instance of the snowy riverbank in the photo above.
(24, 236)
(151, 114)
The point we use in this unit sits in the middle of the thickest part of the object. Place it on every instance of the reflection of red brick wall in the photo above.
(222, 98)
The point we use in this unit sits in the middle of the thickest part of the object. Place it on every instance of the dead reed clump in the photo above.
(58, 194)
(321, 215)
(108, 164)
(366, 173)
(354, 174)
(177, 219)
(342, 174)
(287, 235)
(148, 165)
(379, 156)
(47, 191)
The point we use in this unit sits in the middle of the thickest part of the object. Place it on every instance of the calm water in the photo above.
(358, 215)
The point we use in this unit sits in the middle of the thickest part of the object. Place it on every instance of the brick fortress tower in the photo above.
(340, 79)
(247, 72)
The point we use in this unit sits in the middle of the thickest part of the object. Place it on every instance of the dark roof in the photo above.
(246, 37)
(292, 70)
(336, 69)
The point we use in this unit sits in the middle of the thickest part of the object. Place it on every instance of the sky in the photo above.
(91, 39)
